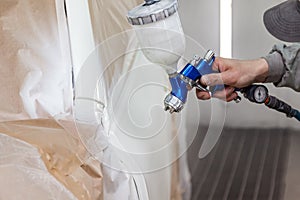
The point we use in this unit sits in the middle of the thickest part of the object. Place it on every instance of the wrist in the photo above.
(261, 71)
(276, 67)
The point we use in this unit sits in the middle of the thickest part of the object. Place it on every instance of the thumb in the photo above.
(223, 78)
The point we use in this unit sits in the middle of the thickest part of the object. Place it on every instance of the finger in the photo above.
(216, 64)
(223, 78)
(215, 67)
(220, 64)
(202, 95)
(233, 96)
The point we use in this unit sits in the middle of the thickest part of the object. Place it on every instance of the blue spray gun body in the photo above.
(187, 79)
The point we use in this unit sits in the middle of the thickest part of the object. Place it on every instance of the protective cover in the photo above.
(39, 158)
(44, 158)
(35, 60)
(126, 92)
(23, 170)
(87, 158)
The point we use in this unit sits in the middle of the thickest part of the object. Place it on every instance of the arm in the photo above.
(281, 66)
(284, 66)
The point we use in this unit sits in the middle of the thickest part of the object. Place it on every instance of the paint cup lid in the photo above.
(152, 11)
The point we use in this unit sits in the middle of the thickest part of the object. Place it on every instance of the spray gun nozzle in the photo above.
(173, 104)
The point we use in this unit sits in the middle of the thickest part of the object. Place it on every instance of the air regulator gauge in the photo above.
(256, 93)
(260, 94)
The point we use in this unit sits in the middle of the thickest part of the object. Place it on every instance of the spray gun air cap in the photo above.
(152, 11)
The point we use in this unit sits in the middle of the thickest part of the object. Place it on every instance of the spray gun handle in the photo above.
(204, 67)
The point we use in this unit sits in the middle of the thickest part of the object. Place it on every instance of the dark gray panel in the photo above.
(245, 164)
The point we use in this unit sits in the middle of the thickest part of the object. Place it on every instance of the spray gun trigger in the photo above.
(191, 83)
(200, 87)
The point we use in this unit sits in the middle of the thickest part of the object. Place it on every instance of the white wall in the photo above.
(250, 37)
(200, 21)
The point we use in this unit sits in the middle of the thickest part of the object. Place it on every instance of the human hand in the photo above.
(233, 74)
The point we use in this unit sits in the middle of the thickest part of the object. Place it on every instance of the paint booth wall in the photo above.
(250, 40)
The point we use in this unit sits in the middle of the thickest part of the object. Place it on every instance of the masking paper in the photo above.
(44, 159)
(35, 64)
(40, 158)
(48, 153)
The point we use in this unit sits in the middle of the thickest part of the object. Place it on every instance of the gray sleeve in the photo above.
(284, 66)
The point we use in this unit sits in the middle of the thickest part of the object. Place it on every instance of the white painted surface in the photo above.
(80, 30)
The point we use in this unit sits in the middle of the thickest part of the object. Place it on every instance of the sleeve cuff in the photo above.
(276, 67)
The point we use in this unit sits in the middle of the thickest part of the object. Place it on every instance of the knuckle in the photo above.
(233, 79)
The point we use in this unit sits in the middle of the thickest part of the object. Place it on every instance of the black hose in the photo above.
(297, 115)
(271, 102)
(283, 107)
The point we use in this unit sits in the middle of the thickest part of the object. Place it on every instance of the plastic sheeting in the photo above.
(35, 63)
(41, 158)
(24, 175)
(36, 83)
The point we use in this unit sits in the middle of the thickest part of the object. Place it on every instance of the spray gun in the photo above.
(159, 31)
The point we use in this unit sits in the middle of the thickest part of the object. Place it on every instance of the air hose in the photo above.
(259, 94)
